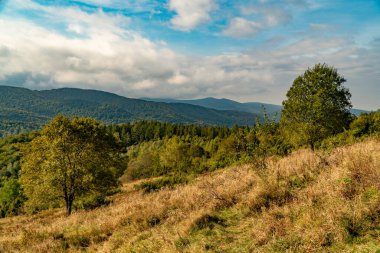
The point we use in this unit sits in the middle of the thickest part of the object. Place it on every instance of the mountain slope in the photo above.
(306, 202)
(28, 107)
(224, 104)
(227, 104)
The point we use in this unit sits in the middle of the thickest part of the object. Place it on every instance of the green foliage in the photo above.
(142, 131)
(72, 158)
(367, 124)
(10, 155)
(144, 161)
(317, 106)
(8, 128)
(175, 155)
(150, 149)
(194, 149)
(11, 195)
(11, 198)
(91, 201)
(266, 139)
(9, 161)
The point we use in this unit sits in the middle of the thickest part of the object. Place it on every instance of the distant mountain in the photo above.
(26, 110)
(224, 104)
(227, 104)
(357, 112)
(29, 109)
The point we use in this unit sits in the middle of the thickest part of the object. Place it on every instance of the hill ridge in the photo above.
(38, 105)
(229, 104)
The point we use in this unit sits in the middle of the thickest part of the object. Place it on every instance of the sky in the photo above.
(245, 50)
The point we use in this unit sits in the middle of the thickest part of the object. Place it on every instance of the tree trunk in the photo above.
(68, 209)
(69, 205)
(312, 146)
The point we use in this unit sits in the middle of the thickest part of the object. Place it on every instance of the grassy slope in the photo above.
(307, 202)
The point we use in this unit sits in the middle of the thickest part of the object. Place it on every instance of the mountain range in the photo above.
(224, 104)
(227, 104)
(23, 109)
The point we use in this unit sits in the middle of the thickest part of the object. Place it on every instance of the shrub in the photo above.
(91, 202)
(207, 221)
(164, 182)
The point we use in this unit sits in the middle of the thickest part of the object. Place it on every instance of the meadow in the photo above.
(309, 201)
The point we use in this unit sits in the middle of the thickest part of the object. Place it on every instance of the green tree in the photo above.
(72, 159)
(366, 124)
(175, 155)
(144, 161)
(11, 198)
(317, 106)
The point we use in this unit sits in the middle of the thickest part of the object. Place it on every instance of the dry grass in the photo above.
(307, 202)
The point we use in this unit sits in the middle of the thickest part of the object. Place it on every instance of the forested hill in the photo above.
(25, 110)
(227, 104)
(224, 104)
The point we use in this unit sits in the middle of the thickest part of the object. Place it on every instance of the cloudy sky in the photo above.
(247, 50)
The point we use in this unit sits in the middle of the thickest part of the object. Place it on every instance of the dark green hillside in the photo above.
(137, 109)
(24, 110)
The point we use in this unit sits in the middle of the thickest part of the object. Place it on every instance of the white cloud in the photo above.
(264, 17)
(143, 85)
(276, 16)
(75, 28)
(242, 28)
(111, 57)
(190, 14)
(105, 55)
(178, 79)
(137, 5)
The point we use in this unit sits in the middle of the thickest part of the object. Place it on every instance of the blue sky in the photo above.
(244, 50)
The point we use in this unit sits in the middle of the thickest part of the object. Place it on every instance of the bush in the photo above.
(164, 182)
(207, 221)
(91, 202)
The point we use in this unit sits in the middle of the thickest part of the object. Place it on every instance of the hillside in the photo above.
(227, 104)
(30, 109)
(224, 104)
(306, 202)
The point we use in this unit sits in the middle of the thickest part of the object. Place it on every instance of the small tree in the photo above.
(317, 106)
(72, 158)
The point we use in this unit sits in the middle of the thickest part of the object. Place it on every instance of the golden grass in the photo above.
(306, 202)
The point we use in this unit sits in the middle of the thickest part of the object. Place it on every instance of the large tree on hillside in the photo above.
(317, 106)
(72, 158)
